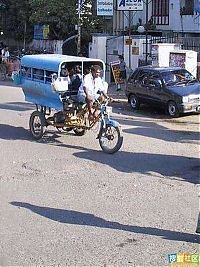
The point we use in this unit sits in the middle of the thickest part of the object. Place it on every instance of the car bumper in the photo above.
(189, 107)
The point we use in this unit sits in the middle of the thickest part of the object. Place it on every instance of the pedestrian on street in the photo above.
(5, 54)
(122, 66)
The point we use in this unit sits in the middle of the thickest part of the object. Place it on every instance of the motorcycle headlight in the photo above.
(185, 99)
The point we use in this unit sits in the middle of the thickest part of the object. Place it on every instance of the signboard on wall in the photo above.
(116, 72)
(128, 41)
(136, 5)
(41, 32)
(104, 7)
(197, 5)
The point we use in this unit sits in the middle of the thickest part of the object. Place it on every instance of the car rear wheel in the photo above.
(172, 109)
(134, 102)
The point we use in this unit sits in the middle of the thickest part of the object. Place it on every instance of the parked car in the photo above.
(172, 88)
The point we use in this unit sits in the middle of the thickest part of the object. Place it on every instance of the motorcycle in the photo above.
(74, 117)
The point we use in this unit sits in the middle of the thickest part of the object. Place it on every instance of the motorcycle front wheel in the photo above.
(110, 139)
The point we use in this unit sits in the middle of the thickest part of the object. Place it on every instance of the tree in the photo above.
(14, 17)
(62, 16)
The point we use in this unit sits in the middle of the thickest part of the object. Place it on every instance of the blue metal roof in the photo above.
(51, 61)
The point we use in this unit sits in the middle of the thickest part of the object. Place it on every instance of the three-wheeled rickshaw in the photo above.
(42, 81)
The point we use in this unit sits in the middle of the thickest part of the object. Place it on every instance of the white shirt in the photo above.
(92, 85)
(5, 55)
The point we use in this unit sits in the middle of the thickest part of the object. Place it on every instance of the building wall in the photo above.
(188, 23)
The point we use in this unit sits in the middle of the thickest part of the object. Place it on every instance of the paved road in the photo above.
(64, 202)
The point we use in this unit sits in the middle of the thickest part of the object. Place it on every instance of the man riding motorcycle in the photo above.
(92, 88)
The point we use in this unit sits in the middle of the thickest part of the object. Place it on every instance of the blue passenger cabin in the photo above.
(36, 76)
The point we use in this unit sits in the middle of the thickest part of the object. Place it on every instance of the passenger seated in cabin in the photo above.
(64, 72)
(75, 82)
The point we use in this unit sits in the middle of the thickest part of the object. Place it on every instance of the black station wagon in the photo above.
(172, 88)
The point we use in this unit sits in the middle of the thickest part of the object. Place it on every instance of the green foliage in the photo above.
(14, 16)
(61, 16)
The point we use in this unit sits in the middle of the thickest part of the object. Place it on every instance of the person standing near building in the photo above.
(122, 66)
(5, 54)
(1, 47)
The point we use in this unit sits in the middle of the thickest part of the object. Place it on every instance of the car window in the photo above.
(142, 77)
(134, 75)
(168, 77)
(175, 77)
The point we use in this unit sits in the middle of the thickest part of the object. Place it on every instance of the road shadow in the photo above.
(9, 132)
(165, 134)
(17, 106)
(80, 218)
(150, 112)
(148, 128)
(160, 165)
(152, 165)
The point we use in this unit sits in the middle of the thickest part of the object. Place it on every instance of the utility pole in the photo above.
(146, 32)
(79, 28)
(24, 42)
(130, 40)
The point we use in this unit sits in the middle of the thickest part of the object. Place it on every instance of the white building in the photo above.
(176, 16)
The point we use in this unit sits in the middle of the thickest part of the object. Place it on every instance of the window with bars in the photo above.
(160, 12)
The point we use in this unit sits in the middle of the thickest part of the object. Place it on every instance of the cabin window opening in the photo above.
(26, 72)
(38, 74)
(48, 76)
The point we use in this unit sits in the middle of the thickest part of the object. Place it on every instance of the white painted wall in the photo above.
(161, 52)
(190, 23)
(97, 49)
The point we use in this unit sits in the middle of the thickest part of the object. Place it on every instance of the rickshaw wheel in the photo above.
(79, 131)
(37, 124)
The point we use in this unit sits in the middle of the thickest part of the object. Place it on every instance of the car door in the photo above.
(139, 85)
(156, 92)
(131, 87)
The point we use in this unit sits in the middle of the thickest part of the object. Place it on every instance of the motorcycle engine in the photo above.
(59, 117)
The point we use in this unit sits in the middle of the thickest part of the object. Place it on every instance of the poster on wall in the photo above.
(177, 60)
(104, 7)
(136, 5)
